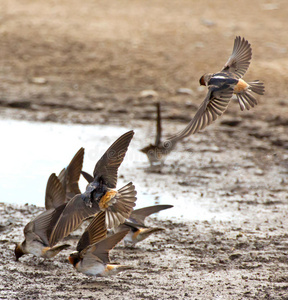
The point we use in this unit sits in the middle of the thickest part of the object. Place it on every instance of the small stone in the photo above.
(38, 80)
(148, 94)
(184, 91)
(208, 23)
(259, 172)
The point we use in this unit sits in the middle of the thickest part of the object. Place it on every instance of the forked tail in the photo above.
(246, 98)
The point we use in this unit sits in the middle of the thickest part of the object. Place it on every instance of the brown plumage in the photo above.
(92, 255)
(61, 189)
(37, 234)
(100, 194)
(222, 86)
(136, 224)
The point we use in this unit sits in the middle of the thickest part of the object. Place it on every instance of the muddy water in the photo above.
(32, 151)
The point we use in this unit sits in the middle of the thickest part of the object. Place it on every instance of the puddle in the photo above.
(31, 151)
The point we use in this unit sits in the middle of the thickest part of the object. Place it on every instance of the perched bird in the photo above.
(157, 152)
(37, 234)
(62, 188)
(221, 87)
(135, 223)
(92, 255)
(100, 194)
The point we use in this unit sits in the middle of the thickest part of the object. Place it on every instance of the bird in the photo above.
(221, 87)
(92, 255)
(100, 194)
(135, 223)
(157, 152)
(37, 233)
(62, 188)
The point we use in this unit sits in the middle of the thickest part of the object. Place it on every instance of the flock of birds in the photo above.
(110, 211)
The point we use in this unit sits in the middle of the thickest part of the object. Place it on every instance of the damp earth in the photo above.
(99, 63)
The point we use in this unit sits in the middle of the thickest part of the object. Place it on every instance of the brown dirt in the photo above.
(87, 62)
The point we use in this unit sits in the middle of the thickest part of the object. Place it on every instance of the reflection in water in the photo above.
(31, 151)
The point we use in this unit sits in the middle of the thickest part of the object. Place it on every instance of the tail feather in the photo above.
(55, 250)
(114, 269)
(257, 87)
(122, 207)
(246, 99)
(145, 232)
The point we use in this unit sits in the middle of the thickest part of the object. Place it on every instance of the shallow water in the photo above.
(31, 151)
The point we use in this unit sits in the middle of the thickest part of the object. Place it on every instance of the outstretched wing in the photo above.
(95, 232)
(107, 167)
(71, 218)
(239, 60)
(102, 248)
(42, 225)
(55, 194)
(69, 176)
(212, 107)
(139, 215)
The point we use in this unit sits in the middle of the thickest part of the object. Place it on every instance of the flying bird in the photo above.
(136, 224)
(92, 255)
(221, 87)
(100, 194)
(62, 188)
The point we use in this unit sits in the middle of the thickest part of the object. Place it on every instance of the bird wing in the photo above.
(87, 176)
(42, 225)
(107, 166)
(239, 60)
(72, 216)
(211, 108)
(55, 194)
(101, 249)
(69, 176)
(95, 232)
(138, 215)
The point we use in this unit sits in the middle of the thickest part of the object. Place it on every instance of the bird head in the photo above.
(18, 251)
(74, 258)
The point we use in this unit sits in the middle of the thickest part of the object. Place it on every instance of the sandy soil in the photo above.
(89, 62)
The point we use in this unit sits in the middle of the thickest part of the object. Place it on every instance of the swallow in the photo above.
(92, 255)
(100, 194)
(221, 87)
(135, 223)
(62, 188)
(158, 151)
(37, 234)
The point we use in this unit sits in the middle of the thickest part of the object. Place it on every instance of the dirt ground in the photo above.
(93, 62)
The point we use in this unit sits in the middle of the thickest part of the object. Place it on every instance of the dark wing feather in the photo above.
(139, 215)
(239, 61)
(102, 248)
(107, 167)
(87, 176)
(95, 232)
(69, 176)
(212, 107)
(55, 194)
(73, 173)
(72, 216)
(43, 223)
